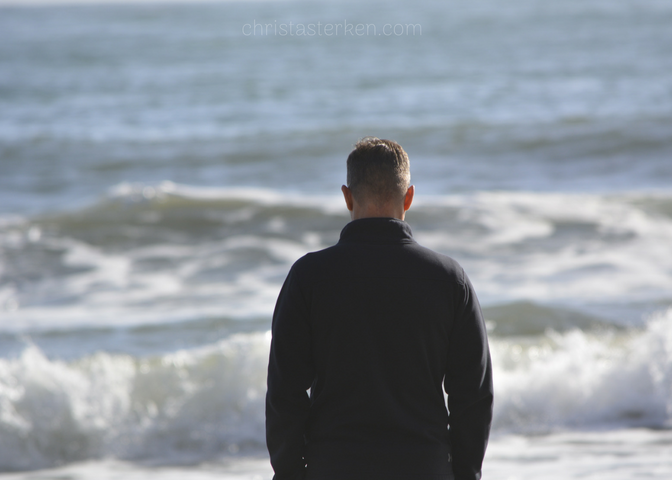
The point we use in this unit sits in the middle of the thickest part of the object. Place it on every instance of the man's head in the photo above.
(378, 179)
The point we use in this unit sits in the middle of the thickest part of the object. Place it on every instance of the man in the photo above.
(376, 326)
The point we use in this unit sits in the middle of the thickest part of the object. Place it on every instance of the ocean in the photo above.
(163, 164)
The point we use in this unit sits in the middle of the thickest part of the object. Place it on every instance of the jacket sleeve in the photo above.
(290, 374)
(468, 383)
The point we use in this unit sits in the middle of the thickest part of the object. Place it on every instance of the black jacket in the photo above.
(375, 326)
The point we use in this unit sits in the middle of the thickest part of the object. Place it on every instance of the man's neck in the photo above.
(373, 211)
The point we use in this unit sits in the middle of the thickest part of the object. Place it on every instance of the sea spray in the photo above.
(585, 380)
(207, 403)
(180, 407)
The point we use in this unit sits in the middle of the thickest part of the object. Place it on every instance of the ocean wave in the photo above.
(584, 380)
(181, 407)
(526, 318)
(207, 402)
(559, 247)
(152, 253)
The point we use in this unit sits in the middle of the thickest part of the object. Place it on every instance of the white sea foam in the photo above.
(183, 406)
(199, 404)
(582, 380)
(151, 253)
(617, 455)
(557, 247)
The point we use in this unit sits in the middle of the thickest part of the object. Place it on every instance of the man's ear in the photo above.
(408, 199)
(347, 194)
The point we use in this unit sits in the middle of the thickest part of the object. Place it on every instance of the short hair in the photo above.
(378, 170)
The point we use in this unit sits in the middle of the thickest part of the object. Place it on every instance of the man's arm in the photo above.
(290, 374)
(468, 384)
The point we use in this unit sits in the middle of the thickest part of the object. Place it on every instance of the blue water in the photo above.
(161, 168)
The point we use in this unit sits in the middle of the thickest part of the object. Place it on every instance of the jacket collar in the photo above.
(377, 230)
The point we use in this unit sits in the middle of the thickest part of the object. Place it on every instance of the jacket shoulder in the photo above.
(439, 264)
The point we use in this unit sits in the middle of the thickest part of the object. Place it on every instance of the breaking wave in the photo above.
(204, 403)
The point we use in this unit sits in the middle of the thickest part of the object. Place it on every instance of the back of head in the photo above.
(378, 171)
